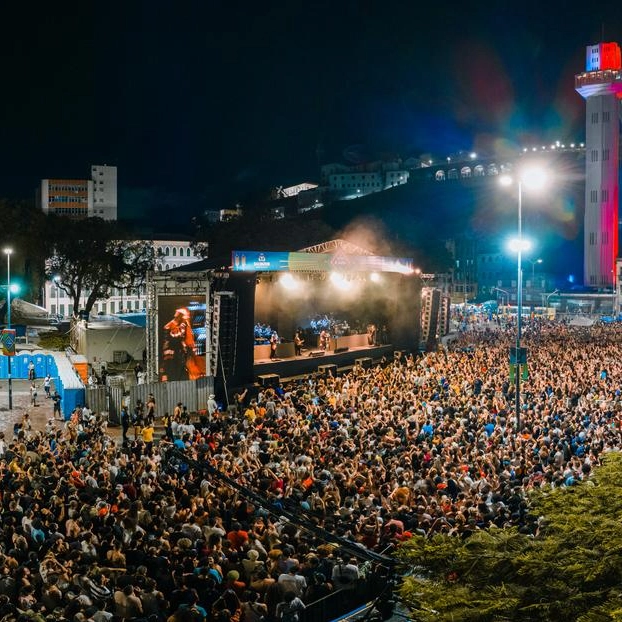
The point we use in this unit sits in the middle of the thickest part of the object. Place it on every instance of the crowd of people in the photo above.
(97, 530)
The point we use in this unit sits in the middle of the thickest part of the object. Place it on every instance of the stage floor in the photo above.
(308, 364)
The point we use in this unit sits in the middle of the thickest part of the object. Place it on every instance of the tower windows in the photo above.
(604, 195)
(606, 116)
(594, 117)
(594, 155)
(593, 198)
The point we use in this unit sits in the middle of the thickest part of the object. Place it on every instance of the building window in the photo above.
(594, 155)
(174, 252)
(594, 196)
(595, 117)
(604, 195)
(606, 117)
(605, 155)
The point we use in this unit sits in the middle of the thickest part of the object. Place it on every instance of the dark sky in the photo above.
(198, 99)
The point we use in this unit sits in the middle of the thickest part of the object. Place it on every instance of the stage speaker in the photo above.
(324, 369)
(341, 349)
(224, 334)
(315, 353)
(269, 380)
(364, 362)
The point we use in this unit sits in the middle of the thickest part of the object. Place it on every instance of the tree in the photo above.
(91, 256)
(25, 230)
(571, 569)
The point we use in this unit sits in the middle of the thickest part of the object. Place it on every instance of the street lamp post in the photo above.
(555, 291)
(519, 299)
(56, 282)
(7, 252)
(533, 178)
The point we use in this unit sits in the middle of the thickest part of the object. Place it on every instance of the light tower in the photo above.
(601, 87)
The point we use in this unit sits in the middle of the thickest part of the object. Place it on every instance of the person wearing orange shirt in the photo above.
(148, 432)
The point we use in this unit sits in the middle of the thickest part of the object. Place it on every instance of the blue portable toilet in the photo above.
(4, 366)
(51, 365)
(40, 361)
(21, 367)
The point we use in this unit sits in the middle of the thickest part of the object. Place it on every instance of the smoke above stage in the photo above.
(345, 303)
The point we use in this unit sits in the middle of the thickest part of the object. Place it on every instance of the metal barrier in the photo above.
(110, 399)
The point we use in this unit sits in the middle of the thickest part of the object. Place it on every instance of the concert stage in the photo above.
(308, 364)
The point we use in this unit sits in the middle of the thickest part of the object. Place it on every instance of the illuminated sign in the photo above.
(603, 56)
(258, 261)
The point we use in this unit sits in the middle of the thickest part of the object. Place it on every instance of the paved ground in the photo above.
(38, 414)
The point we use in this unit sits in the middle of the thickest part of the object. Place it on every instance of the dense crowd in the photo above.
(95, 530)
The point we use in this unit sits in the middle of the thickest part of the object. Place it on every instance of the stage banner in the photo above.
(258, 261)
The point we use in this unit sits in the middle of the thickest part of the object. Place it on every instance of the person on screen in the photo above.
(179, 348)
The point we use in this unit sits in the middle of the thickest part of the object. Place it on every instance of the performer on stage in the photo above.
(324, 340)
(371, 334)
(274, 341)
(298, 341)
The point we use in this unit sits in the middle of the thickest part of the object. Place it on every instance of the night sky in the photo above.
(201, 101)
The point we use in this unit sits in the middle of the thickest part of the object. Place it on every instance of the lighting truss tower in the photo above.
(601, 87)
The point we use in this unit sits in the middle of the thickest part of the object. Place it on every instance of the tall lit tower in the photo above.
(601, 87)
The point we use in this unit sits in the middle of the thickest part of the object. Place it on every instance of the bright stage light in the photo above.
(374, 277)
(340, 281)
(288, 281)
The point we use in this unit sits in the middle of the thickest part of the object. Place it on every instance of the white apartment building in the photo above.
(104, 180)
(169, 254)
(353, 181)
(82, 198)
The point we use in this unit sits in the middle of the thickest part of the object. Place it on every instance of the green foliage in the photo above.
(570, 570)
(92, 256)
(54, 341)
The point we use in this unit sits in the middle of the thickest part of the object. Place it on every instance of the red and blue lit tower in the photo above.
(601, 87)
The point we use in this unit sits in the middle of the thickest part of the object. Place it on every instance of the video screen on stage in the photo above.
(182, 337)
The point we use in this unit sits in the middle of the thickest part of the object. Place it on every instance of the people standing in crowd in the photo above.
(57, 401)
(138, 419)
(417, 445)
(33, 394)
(47, 385)
(125, 422)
